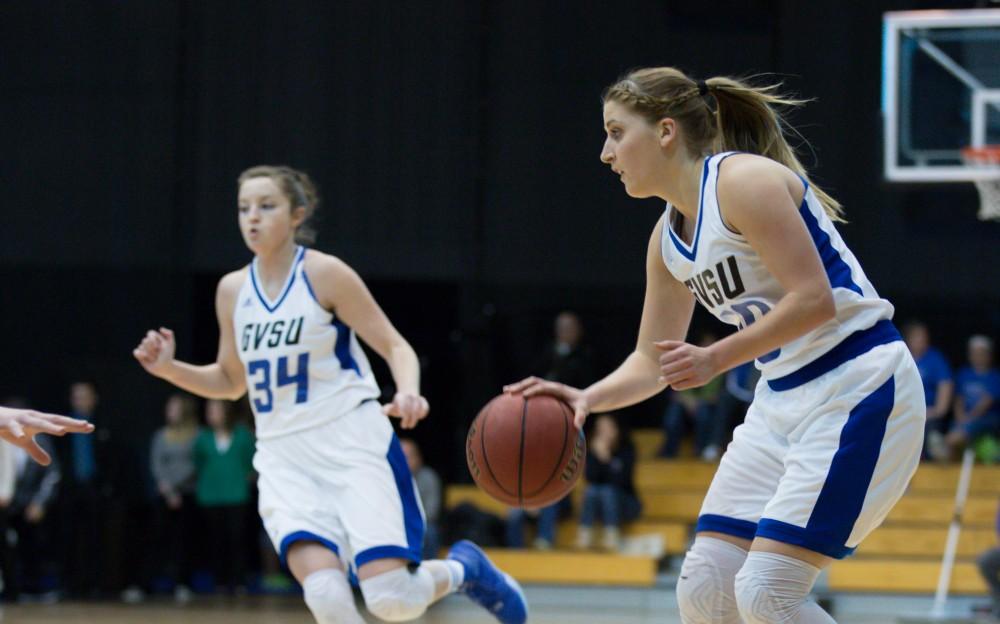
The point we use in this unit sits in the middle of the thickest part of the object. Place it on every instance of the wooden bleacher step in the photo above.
(928, 542)
(901, 576)
(571, 568)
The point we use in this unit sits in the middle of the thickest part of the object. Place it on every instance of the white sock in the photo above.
(448, 569)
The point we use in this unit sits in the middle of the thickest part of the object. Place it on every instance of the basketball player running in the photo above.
(335, 489)
(836, 425)
(20, 426)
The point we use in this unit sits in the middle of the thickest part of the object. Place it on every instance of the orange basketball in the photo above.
(525, 452)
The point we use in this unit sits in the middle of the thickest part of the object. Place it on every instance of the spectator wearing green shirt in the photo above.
(223, 455)
(699, 407)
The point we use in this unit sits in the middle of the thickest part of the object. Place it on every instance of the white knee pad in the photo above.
(399, 595)
(705, 587)
(772, 588)
(329, 597)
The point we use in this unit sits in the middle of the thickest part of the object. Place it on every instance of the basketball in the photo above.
(525, 452)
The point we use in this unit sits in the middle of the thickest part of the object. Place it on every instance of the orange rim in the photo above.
(985, 155)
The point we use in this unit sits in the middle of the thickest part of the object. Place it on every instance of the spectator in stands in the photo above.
(429, 489)
(989, 567)
(700, 407)
(977, 411)
(935, 373)
(610, 491)
(544, 519)
(89, 475)
(223, 457)
(568, 359)
(24, 506)
(171, 460)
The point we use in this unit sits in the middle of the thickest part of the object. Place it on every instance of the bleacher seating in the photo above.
(904, 555)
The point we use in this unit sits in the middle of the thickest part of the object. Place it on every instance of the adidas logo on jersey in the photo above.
(248, 302)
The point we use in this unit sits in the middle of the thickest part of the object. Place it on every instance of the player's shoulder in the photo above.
(751, 171)
(231, 282)
(752, 182)
(229, 288)
(329, 276)
(320, 265)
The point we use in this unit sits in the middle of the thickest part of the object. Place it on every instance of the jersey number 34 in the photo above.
(263, 394)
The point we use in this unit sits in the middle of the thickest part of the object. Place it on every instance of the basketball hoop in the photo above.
(986, 158)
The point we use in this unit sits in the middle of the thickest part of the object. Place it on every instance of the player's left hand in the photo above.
(409, 408)
(684, 366)
(20, 426)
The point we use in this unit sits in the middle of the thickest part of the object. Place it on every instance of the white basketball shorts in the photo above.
(345, 485)
(821, 464)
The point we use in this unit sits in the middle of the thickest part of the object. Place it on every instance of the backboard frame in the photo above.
(897, 23)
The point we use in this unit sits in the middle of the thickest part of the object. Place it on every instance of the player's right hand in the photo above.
(574, 397)
(156, 351)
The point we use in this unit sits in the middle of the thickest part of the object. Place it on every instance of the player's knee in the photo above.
(329, 597)
(398, 595)
(773, 588)
(755, 598)
(705, 584)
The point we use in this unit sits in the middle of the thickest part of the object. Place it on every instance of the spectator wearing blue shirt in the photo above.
(977, 387)
(935, 373)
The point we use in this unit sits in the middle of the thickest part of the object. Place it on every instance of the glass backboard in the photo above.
(940, 93)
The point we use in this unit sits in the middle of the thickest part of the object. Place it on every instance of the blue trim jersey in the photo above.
(728, 277)
(304, 367)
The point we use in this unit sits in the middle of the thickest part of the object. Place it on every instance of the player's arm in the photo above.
(340, 289)
(757, 200)
(222, 379)
(666, 314)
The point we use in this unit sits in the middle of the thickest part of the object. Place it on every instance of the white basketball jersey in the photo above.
(304, 367)
(727, 276)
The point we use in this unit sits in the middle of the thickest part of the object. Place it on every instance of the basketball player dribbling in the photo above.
(335, 489)
(835, 429)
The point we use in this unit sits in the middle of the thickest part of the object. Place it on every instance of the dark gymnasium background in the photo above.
(456, 146)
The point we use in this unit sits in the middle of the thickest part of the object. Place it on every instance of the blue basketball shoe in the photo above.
(488, 586)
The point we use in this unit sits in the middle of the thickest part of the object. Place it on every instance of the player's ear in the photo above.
(666, 131)
(298, 216)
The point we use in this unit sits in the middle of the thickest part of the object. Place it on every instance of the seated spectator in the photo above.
(171, 461)
(429, 489)
(977, 389)
(567, 359)
(610, 491)
(700, 407)
(223, 457)
(544, 519)
(22, 514)
(935, 373)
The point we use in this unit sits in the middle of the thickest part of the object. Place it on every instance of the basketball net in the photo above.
(987, 158)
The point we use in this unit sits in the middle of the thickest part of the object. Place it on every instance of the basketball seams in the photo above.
(520, 458)
(486, 459)
(562, 452)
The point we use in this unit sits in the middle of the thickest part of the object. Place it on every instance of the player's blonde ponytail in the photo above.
(719, 114)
